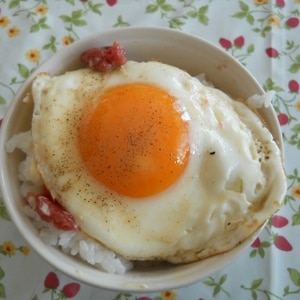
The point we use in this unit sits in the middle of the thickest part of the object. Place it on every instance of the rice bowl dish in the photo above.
(237, 220)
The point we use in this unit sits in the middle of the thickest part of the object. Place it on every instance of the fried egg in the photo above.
(153, 164)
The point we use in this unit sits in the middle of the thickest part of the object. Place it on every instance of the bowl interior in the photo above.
(169, 46)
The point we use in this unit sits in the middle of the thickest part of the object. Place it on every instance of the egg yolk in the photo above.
(134, 141)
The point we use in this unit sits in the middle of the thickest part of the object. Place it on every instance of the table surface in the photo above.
(262, 34)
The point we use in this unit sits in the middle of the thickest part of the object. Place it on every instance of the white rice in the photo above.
(202, 78)
(255, 101)
(78, 244)
(73, 242)
(259, 101)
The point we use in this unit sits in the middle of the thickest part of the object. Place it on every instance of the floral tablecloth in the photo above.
(262, 34)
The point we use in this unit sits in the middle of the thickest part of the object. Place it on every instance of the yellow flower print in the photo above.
(259, 2)
(33, 55)
(168, 295)
(25, 250)
(274, 21)
(296, 191)
(67, 40)
(41, 9)
(13, 31)
(297, 105)
(4, 21)
(8, 248)
(297, 1)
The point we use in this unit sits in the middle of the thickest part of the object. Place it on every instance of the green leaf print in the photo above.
(295, 137)
(217, 285)
(202, 17)
(2, 287)
(200, 14)
(3, 212)
(244, 7)
(51, 45)
(270, 85)
(121, 23)
(77, 14)
(79, 22)
(41, 24)
(14, 3)
(123, 296)
(244, 13)
(175, 23)
(23, 70)
(295, 176)
(256, 283)
(66, 19)
(254, 295)
(294, 68)
(2, 273)
(2, 291)
(250, 19)
(294, 276)
(240, 15)
(296, 218)
(250, 49)
(2, 100)
(159, 5)
(95, 7)
(75, 19)
(151, 8)
(167, 8)
(263, 31)
(72, 2)
(255, 289)
(290, 45)
(34, 28)
(260, 250)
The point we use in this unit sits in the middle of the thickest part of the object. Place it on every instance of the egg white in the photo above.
(233, 182)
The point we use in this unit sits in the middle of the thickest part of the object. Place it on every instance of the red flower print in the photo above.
(292, 22)
(280, 3)
(225, 43)
(51, 284)
(283, 119)
(272, 52)
(279, 221)
(51, 281)
(111, 2)
(70, 290)
(144, 298)
(256, 243)
(239, 41)
(282, 243)
(1, 122)
(294, 86)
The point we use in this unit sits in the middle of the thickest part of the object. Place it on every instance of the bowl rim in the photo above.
(108, 281)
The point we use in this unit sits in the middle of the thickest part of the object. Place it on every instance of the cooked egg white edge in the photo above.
(221, 202)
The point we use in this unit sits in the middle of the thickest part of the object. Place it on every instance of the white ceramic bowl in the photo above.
(176, 48)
